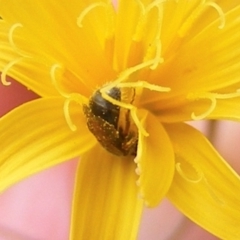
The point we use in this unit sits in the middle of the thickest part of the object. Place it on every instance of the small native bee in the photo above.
(111, 124)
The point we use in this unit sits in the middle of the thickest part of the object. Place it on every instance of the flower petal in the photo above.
(224, 109)
(155, 161)
(105, 204)
(205, 187)
(42, 37)
(35, 136)
(127, 12)
(34, 74)
(204, 61)
(214, 59)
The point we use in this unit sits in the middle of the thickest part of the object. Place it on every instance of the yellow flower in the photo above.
(150, 65)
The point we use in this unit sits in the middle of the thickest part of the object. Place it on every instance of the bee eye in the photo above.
(111, 124)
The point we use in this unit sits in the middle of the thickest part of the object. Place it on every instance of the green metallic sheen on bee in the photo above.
(105, 119)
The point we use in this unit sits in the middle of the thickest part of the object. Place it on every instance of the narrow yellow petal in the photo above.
(35, 75)
(105, 204)
(214, 59)
(35, 136)
(224, 109)
(52, 36)
(202, 61)
(155, 161)
(205, 187)
(127, 12)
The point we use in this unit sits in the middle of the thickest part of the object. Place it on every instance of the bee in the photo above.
(112, 124)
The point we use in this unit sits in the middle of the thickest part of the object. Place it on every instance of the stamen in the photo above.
(11, 41)
(114, 101)
(138, 158)
(66, 112)
(140, 84)
(208, 111)
(197, 12)
(6, 69)
(55, 82)
(87, 10)
(155, 3)
(185, 177)
(133, 109)
(220, 12)
(213, 98)
(10, 35)
(110, 24)
(144, 84)
(158, 59)
(137, 36)
(69, 97)
(72, 98)
(156, 47)
(226, 95)
(125, 74)
(137, 122)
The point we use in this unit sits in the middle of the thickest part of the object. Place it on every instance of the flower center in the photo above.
(113, 117)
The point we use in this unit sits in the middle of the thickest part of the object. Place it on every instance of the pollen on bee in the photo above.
(110, 124)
